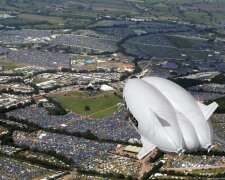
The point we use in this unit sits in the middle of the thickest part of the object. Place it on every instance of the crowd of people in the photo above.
(122, 29)
(114, 127)
(40, 116)
(13, 169)
(91, 155)
(67, 78)
(22, 36)
(39, 58)
(9, 150)
(219, 126)
(152, 39)
(209, 87)
(87, 42)
(8, 122)
(186, 161)
(206, 96)
(3, 50)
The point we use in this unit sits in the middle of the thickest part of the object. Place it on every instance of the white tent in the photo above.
(105, 87)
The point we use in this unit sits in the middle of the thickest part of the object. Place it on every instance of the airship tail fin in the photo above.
(147, 148)
(208, 110)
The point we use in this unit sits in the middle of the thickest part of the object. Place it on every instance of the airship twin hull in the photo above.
(167, 116)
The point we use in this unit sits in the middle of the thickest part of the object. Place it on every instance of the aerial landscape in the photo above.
(83, 84)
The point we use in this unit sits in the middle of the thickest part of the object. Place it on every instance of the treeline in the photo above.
(13, 91)
(136, 70)
(106, 175)
(154, 169)
(210, 153)
(190, 175)
(32, 126)
(12, 74)
(57, 109)
(185, 83)
(219, 79)
(44, 163)
(18, 23)
(118, 95)
(87, 134)
(7, 139)
(16, 106)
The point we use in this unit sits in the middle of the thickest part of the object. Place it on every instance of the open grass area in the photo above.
(100, 104)
(198, 54)
(185, 41)
(181, 41)
(33, 17)
(9, 65)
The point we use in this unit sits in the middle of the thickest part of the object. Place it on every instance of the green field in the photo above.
(184, 41)
(75, 14)
(181, 41)
(33, 18)
(101, 104)
(9, 65)
(198, 54)
(66, 13)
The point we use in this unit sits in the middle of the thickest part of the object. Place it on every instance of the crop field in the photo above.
(100, 104)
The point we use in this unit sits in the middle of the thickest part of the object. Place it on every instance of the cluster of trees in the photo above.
(16, 106)
(118, 95)
(7, 139)
(154, 169)
(185, 83)
(126, 74)
(159, 155)
(87, 108)
(211, 153)
(57, 110)
(178, 173)
(18, 23)
(43, 163)
(219, 79)
(12, 91)
(190, 175)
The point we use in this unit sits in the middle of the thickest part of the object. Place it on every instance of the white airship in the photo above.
(167, 116)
